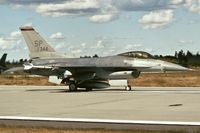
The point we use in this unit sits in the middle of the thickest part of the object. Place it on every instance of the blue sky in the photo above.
(87, 27)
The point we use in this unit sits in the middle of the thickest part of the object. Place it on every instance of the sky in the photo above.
(104, 27)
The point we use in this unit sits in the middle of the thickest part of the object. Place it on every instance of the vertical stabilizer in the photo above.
(37, 46)
(3, 60)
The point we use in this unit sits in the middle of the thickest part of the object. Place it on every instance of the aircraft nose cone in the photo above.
(173, 67)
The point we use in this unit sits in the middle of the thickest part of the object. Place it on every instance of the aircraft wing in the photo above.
(81, 72)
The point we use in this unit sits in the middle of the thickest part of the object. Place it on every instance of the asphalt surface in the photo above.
(143, 103)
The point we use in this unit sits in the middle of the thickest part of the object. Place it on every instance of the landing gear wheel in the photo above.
(72, 87)
(128, 88)
(88, 89)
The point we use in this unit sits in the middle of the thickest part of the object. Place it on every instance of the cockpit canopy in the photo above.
(137, 54)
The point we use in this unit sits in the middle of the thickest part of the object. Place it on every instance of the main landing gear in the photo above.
(72, 86)
(71, 83)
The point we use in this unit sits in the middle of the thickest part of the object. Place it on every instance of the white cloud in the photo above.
(108, 10)
(77, 51)
(8, 44)
(146, 5)
(11, 42)
(157, 19)
(195, 9)
(126, 5)
(100, 44)
(175, 3)
(29, 2)
(17, 6)
(83, 44)
(102, 18)
(185, 41)
(193, 5)
(15, 34)
(57, 36)
(60, 46)
(75, 7)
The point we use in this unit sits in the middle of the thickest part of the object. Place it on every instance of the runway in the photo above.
(143, 103)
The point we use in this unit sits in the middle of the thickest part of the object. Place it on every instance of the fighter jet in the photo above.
(2, 63)
(88, 73)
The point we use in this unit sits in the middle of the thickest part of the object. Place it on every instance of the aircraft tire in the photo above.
(128, 88)
(72, 87)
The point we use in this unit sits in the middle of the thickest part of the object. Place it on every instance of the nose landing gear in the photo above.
(128, 88)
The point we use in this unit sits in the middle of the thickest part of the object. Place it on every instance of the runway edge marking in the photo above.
(81, 123)
(100, 120)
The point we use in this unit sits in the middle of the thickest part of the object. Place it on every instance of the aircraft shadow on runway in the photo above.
(48, 90)
(80, 90)
(118, 90)
(56, 90)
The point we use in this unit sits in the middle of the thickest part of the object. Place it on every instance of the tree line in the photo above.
(188, 58)
(183, 58)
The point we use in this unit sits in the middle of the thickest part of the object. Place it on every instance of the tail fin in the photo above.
(37, 46)
(3, 60)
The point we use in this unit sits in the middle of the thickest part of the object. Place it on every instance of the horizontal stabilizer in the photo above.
(15, 69)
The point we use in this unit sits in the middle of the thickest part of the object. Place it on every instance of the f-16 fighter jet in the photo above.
(89, 73)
